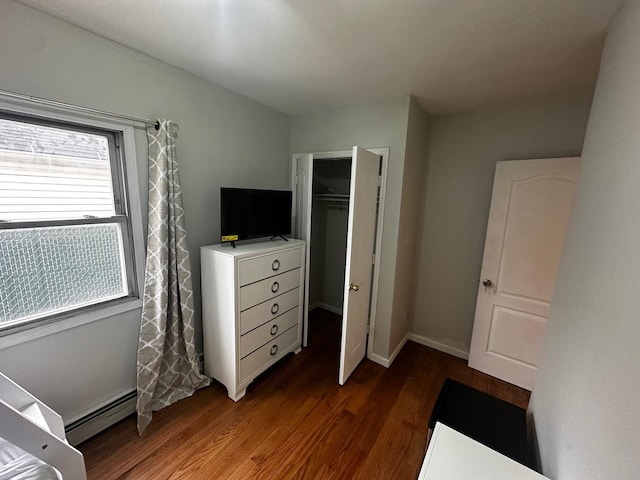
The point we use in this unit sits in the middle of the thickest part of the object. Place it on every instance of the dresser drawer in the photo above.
(258, 337)
(258, 292)
(265, 311)
(259, 268)
(271, 351)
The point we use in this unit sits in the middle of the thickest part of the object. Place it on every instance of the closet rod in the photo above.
(69, 106)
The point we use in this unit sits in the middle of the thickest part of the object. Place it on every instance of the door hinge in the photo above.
(380, 181)
(373, 259)
(368, 328)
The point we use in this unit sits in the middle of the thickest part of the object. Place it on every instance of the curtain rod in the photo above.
(70, 106)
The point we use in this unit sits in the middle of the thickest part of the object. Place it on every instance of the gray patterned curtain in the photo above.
(167, 366)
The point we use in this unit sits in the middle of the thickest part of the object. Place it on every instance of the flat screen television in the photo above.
(250, 213)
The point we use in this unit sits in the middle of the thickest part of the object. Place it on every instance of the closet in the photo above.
(329, 223)
(338, 208)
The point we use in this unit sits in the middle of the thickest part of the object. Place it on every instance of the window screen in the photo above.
(64, 228)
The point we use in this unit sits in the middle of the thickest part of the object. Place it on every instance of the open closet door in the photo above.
(303, 187)
(363, 194)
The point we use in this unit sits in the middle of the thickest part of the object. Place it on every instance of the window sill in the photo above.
(70, 322)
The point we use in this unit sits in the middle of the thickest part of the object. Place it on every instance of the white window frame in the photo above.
(66, 320)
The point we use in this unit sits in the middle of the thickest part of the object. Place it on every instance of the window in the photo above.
(65, 232)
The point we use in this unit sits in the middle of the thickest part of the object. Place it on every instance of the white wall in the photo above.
(329, 245)
(371, 125)
(224, 139)
(585, 401)
(463, 152)
(414, 176)
(317, 255)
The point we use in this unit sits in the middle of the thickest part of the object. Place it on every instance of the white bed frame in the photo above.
(29, 424)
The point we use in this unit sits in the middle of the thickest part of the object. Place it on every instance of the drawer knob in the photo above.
(274, 308)
(274, 329)
(275, 265)
(275, 287)
(274, 350)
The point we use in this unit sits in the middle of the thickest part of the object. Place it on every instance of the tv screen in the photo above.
(250, 213)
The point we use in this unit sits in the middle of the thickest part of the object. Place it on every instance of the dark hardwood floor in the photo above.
(296, 421)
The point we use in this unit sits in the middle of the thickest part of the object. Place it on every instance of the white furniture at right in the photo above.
(454, 456)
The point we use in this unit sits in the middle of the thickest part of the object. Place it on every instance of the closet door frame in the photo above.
(383, 153)
(302, 202)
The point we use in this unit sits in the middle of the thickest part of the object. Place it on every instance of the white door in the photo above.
(360, 243)
(302, 186)
(530, 210)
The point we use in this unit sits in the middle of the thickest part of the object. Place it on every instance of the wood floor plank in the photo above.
(296, 422)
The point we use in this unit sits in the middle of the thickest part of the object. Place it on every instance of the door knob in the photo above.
(354, 287)
(487, 283)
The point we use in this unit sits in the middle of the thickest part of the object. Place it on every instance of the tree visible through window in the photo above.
(64, 228)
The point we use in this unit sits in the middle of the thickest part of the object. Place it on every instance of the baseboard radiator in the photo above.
(93, 423)
(110, 414)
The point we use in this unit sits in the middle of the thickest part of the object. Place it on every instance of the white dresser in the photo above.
(251, 308)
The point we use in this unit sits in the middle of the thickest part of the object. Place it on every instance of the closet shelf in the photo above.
(334, 197)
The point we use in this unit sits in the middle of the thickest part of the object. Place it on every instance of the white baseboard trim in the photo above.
(92, 424)
(379, 360)
(398, 348)
(325, 306)
(386, 362)
(437, 345)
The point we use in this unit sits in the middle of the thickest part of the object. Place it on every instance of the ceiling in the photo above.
(301, 56)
